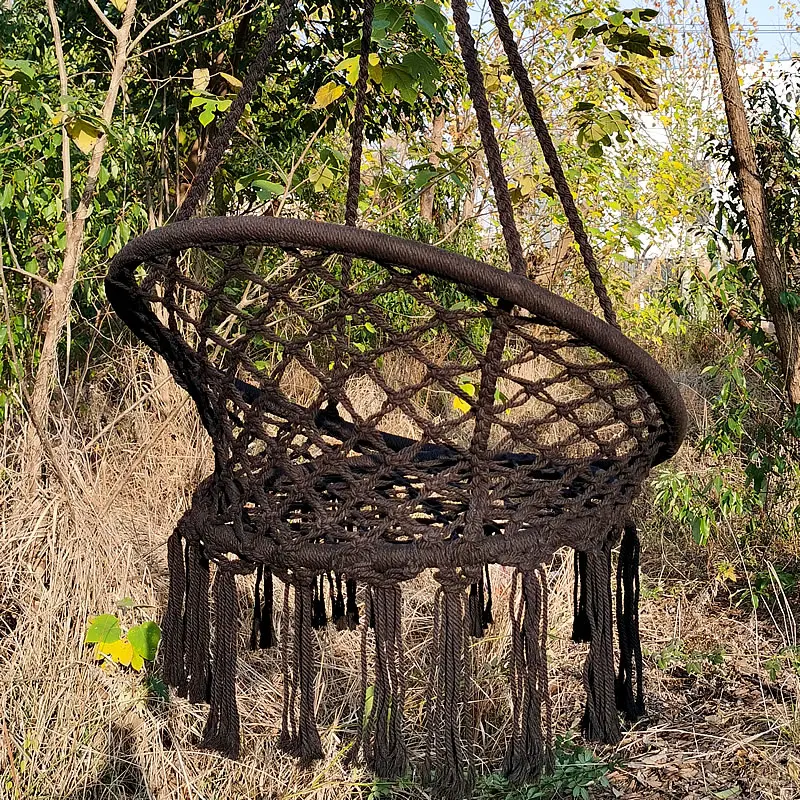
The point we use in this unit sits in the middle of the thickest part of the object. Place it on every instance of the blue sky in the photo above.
(773, 35)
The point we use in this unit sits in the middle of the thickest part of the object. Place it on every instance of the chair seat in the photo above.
(384, 513)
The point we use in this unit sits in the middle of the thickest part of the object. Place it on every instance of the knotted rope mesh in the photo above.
(379, 408)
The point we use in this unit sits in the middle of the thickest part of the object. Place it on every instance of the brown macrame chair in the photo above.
(528, 424)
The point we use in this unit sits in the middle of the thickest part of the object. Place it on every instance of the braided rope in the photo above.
(552, 160)
(221, 141)
(491, 148)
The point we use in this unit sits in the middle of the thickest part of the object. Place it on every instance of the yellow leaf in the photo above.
(374, 68)
(84, 134)
(120, 5)
(461, 405)
(234, 82)
(120, 652)
(137, 662)
(327, 94)
(56, 119)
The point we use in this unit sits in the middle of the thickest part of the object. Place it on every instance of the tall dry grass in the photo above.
(72, 728)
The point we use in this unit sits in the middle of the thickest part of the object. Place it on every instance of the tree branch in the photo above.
(104, 19)
(63, 82)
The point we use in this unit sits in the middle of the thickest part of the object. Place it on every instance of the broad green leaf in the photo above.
(206, 117)
(321, 177)
(84, 134)
(432, 24)
(103, 629)
(327, 94)
(144, 639)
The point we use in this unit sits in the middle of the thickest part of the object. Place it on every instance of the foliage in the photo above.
(677, 654)
(133, 648)
(575, 772)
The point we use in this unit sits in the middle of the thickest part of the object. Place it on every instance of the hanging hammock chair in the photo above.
(529, 424)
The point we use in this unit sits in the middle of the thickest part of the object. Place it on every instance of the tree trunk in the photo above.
(426, 196)
(771, 271)
(75, 223)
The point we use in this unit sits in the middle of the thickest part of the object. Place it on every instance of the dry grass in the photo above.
(72, 729)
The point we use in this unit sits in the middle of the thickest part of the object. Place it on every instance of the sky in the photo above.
(773, 35)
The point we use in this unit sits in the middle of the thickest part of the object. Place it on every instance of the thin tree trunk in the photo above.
(771, 271)
(426, 196)
(75, 222)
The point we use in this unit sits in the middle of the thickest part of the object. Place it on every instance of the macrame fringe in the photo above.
(172, 624)
(222, 727)
(299, 734)
(338, 613)
(448, 766)
(600, 721)
(530, 747)
(262, 633)
(319, 613)
(383, 743)
(630, 648)
(581, 628)
(197, 634)
(351, 609)
(480, 604)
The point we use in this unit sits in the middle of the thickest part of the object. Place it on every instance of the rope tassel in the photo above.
(197, 635)
(630, 648)
(581, 628)
(384, 747)
(450, 770)
(299, 734)
(172, 625)
(262, 633)
(530, 748)
(600, 721)
(222, 727)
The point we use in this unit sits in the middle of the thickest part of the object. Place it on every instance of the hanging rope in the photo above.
(219, 144)
(357, 131)
(477, 92)
(552, 160)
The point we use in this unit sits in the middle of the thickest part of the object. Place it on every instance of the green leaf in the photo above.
(432, 24)
(103, 629)
(144, 639)
(369, 698)
(6, 195)
(206, 117)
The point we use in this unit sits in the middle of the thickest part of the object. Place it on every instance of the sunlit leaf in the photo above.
(103, 629)
(327, 94)
(144, 639)
(200, 79)
(84, 134)
(640, 89)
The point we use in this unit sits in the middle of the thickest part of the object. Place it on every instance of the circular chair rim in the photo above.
(387, 249)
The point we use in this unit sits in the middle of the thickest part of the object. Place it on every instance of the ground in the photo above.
(721, 688)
